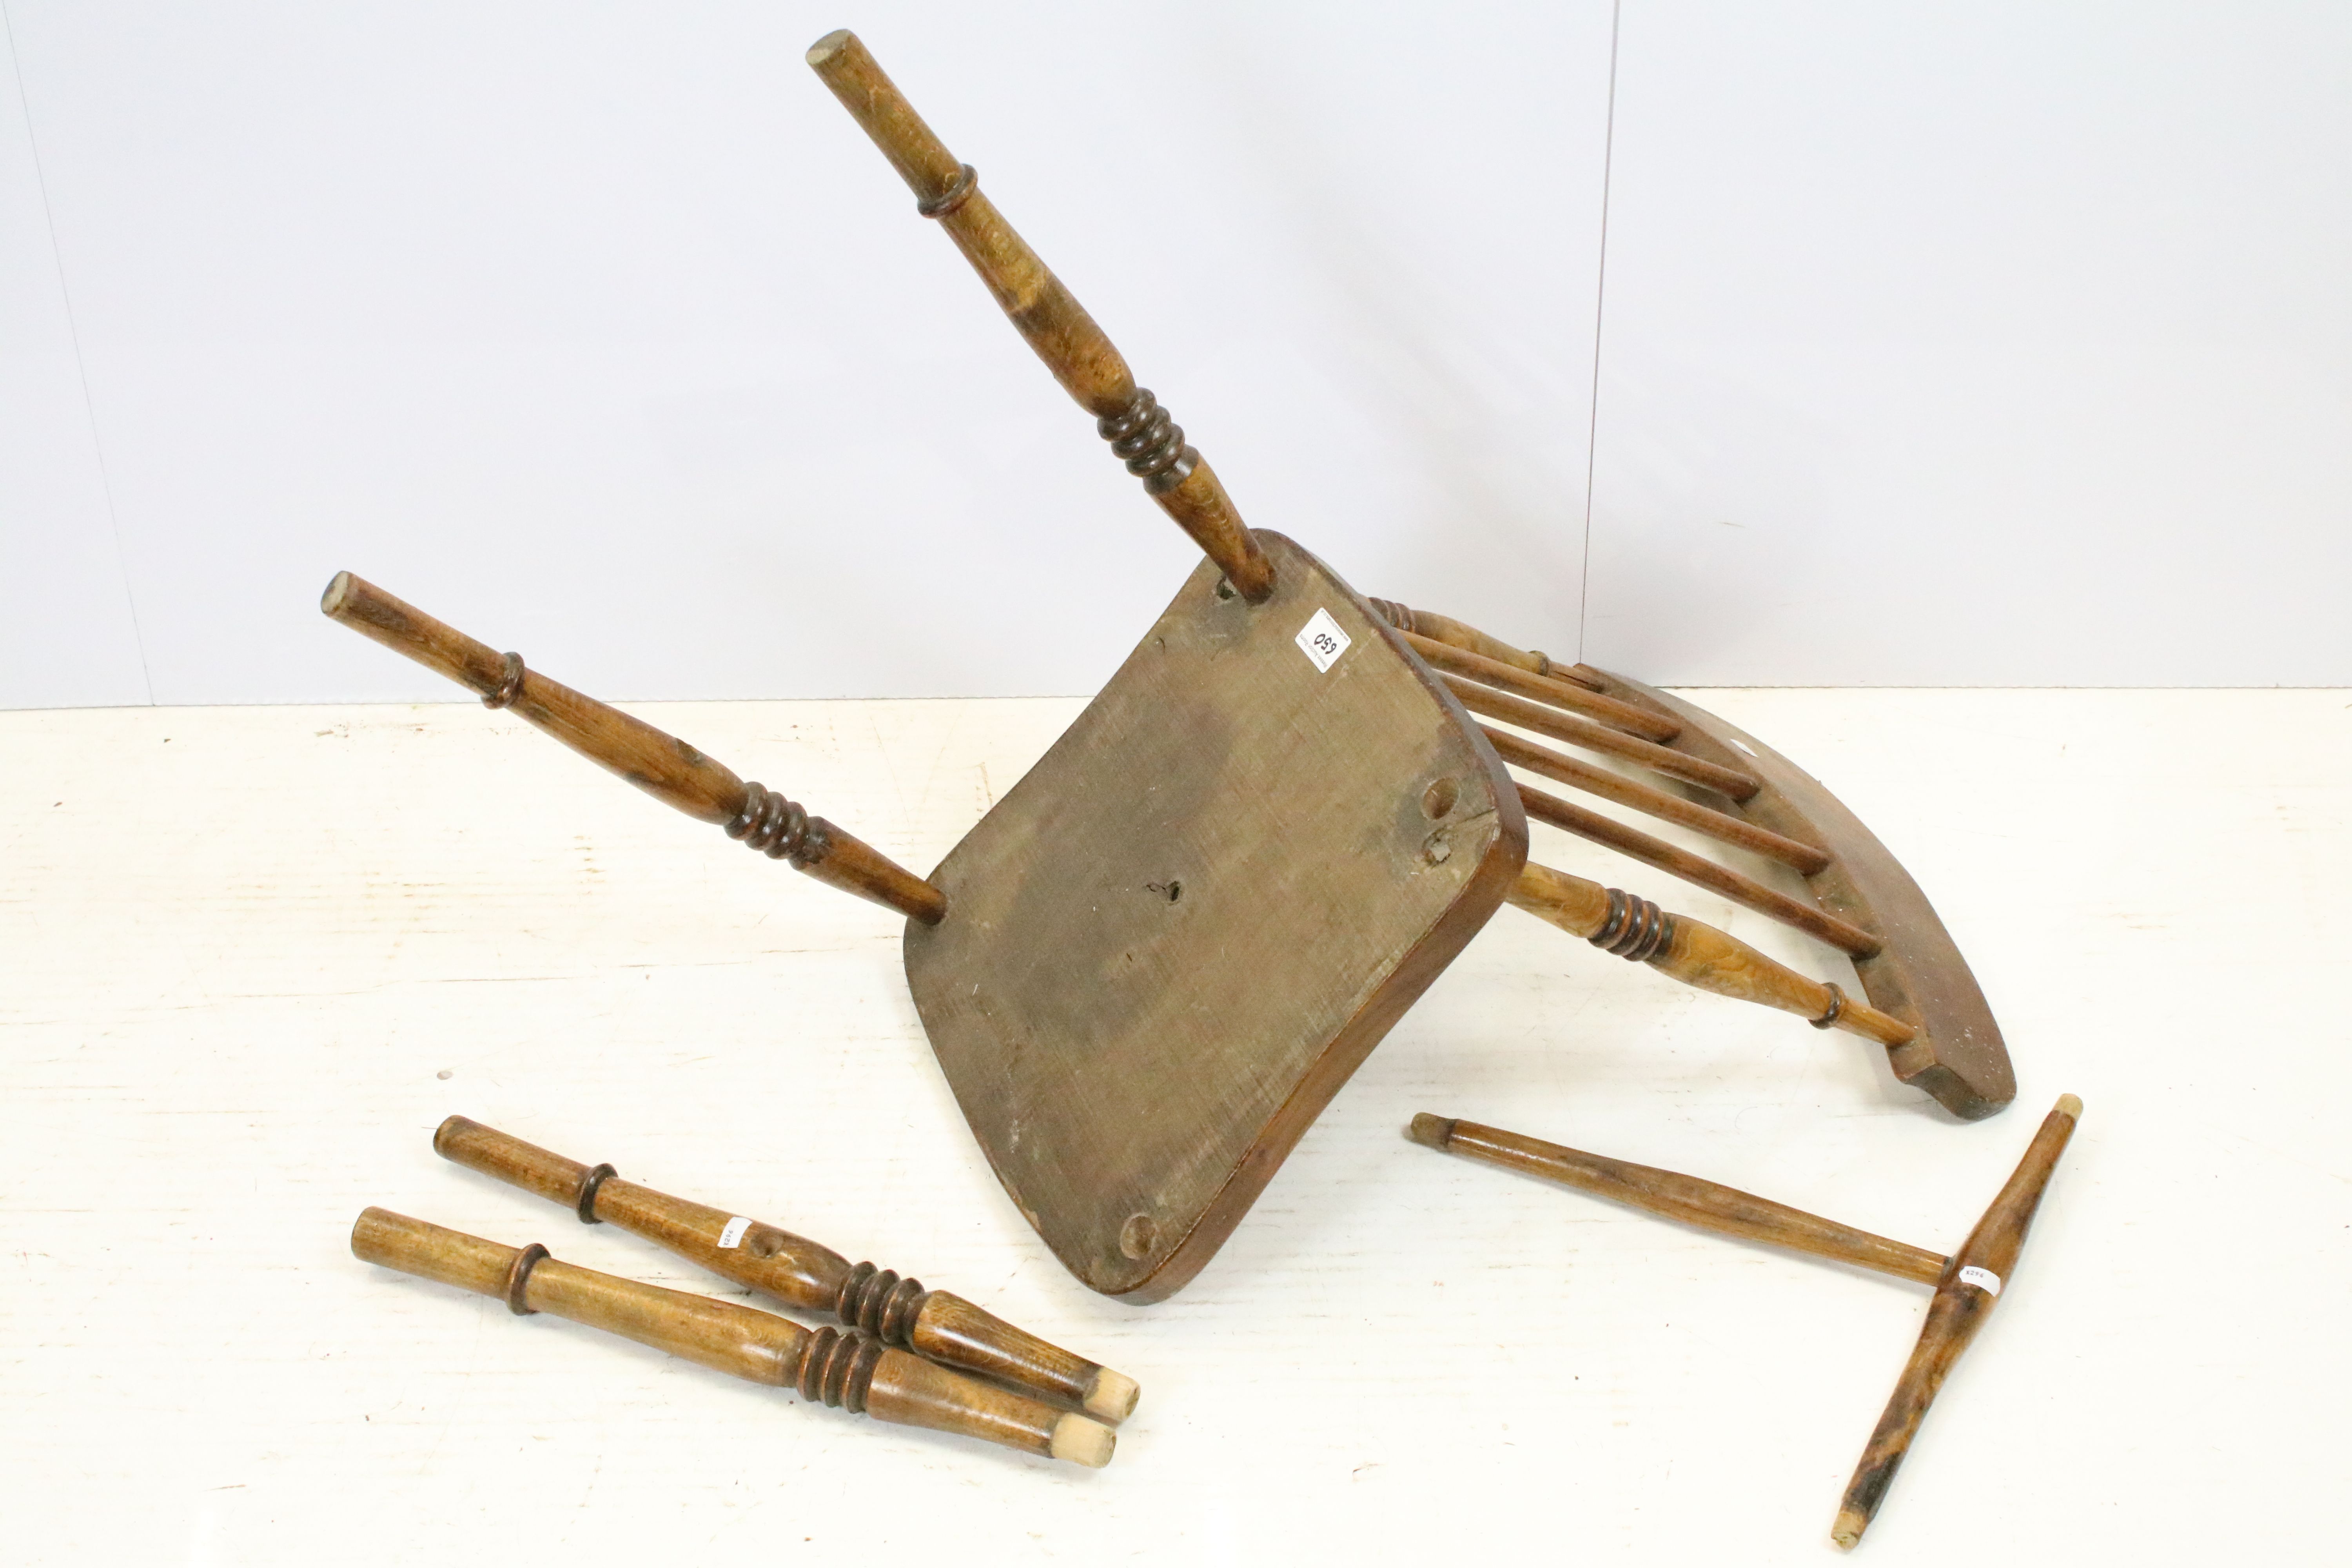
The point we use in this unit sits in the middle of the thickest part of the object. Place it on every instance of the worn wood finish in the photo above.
(1457, 633)
(1137, 1065)
(1916, 972)
(662, 766)
(1966, 1283)
(1965, 1293)
(1542, 689)
(1593, 737)
(1177, 937)
(850, 1371)
(1744, 890)
(1046, 314)
(1522, 752)
(1693, 953)
(1709, 1205)
(934, 1324)
(843, 861)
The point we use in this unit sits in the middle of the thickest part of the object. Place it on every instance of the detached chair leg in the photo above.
(1966, 1283)
(1971, 1284)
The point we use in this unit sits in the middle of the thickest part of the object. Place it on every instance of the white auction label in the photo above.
(733, 1235)
(1984, 1280)
(1322, 641)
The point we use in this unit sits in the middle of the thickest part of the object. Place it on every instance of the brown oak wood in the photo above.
(1965, 1294)
(1136, 1074)
(1520, 752)
(842, 859)
(1178, 936)
(1593, 737)
(1542, 689)
(1457, 633)
(850, 1371)
(1709, 1205)
(1744, 890)
(1918, 973)
(1693, 953)
(1967, 1283)
(661, 764)
(1046, 313)
(934, 1324)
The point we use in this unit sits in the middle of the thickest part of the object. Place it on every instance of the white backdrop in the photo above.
(2005, 343)
(1998, 346)
(607, 336)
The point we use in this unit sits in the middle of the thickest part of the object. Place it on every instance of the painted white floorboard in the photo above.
(250, 957)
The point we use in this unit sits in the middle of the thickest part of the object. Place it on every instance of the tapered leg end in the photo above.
(1847, 1530)
(1083, 1441)
(1436, 1131)
(1112, 1398)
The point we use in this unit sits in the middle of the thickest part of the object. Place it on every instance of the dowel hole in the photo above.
(1439, 798)
(1137, 1236)
(1224, 588)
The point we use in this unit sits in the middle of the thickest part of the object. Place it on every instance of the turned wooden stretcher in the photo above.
(1151, 965)
(1966, 1283)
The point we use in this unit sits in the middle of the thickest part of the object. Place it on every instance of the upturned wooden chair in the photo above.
(1151, 965)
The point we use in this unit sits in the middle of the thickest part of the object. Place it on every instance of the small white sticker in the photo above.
(733, 1235)
(1322, 641)
(1984, 1280)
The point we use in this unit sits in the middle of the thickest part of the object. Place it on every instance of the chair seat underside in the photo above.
(1169, 944)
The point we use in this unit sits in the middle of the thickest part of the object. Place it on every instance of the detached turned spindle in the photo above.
(852, 1371)
(1971, 1282)
(934, 1324)
(1046, 314)
(1693, 953)
(661, 764)
(1966, 1283)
